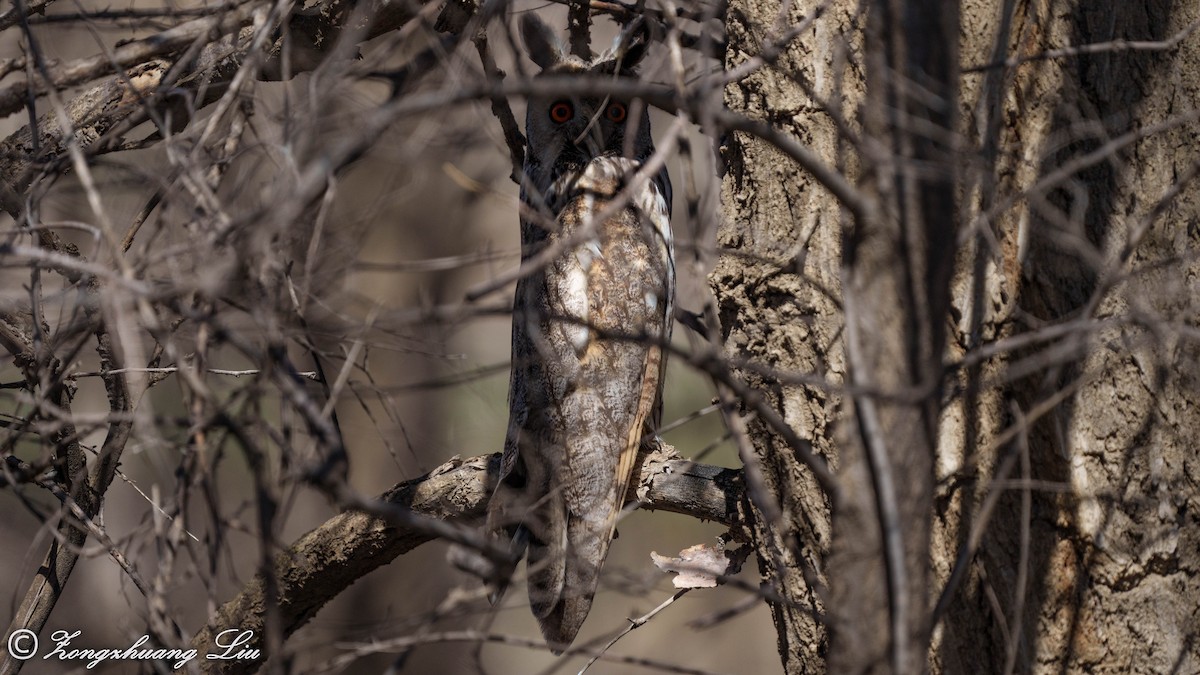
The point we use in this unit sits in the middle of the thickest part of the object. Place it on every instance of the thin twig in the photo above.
(1095, 48)
(633, 624)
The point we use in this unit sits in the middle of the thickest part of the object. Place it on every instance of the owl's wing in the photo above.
(607, 304)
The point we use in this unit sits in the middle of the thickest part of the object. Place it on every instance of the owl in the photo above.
(588, 324)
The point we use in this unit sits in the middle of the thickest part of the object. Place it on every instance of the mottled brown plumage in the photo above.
(587, 367)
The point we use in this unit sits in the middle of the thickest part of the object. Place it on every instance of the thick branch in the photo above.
(324, 562)
(579, 25)
(47, 587)
(118, 103)
(15, 96)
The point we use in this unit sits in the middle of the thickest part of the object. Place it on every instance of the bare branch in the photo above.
(1107, 47)
(13, 97)
(325, 561)
(579, 25)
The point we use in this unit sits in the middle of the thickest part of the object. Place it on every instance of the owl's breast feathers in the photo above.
(618, 278)
(586, 380)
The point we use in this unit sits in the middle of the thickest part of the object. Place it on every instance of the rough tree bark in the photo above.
(777, 304)
(1064, 501)
(1097, 566)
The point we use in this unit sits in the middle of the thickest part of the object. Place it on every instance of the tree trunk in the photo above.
(1091, 561)
(777, 291)
(1063, 492)
(897, 264)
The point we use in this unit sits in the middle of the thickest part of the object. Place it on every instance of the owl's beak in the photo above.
(591, 140)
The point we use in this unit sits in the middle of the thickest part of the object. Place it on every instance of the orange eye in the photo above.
(616, 112)
(562, 111)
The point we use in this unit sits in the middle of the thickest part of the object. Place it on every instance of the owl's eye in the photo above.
(561, 111)
(616, 112)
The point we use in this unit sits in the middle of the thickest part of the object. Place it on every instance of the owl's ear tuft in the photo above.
(632, 45)
(539, 41)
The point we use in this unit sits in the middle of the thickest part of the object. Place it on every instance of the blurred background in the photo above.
(377, 271)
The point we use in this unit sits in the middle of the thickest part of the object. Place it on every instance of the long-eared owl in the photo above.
(588, 325)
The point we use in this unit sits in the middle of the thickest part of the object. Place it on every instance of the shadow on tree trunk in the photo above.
(1073, 230)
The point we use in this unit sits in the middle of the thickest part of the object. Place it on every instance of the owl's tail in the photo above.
(564, 571)
(578, 517)
(563, 552)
